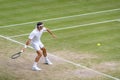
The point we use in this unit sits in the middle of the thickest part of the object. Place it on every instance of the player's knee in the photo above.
(39, 53)
(43, 49)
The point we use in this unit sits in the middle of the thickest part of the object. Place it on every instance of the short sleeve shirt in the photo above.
(35, 35)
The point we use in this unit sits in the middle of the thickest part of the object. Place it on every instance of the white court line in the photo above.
(78, 65)
(106, 21)
(61, 17)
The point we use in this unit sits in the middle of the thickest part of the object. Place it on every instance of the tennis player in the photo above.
(34, 40)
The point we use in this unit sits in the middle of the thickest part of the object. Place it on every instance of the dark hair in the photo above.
(39, 23)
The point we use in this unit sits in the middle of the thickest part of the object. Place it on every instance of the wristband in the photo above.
(25, 46)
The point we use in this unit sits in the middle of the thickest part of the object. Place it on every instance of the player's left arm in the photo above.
(50, 32)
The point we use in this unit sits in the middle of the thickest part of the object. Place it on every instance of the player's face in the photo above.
(40, 27)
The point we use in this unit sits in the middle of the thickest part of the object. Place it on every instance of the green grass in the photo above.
(70, 43)
(25, 10)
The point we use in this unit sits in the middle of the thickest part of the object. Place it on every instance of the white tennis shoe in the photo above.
(35, 68)
(47, 61)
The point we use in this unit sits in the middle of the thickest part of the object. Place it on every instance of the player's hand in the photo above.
(24, 48)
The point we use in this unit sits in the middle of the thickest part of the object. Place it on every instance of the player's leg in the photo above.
(39, 54)
(47, 61)
(35, 67)
(44, 51)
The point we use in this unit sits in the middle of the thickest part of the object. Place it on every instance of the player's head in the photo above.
(40, 25)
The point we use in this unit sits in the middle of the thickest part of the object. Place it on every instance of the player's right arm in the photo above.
(31, 36)
(28, 42)
(26, 45)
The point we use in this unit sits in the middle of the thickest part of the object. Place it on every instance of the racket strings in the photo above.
(14, 56)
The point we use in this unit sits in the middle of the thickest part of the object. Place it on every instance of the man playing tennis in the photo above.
(34, 39)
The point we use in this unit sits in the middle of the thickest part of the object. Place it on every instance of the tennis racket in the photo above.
(16, 55)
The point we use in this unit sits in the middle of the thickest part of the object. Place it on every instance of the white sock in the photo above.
(35, 64)
(46, 58)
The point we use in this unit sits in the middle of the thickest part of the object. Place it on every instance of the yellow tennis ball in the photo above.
(98, 44)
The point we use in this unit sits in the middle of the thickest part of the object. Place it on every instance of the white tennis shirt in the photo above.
(35, 35)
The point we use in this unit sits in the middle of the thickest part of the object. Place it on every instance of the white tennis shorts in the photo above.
(37, 46)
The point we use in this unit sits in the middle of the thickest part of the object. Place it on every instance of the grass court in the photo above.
(79, 26)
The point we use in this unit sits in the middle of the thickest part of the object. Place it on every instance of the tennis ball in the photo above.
(98, 44)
